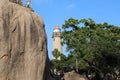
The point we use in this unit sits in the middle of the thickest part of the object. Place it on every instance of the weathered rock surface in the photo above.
(23, 47)
(73, 76)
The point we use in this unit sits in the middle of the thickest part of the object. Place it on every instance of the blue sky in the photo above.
(55, 12)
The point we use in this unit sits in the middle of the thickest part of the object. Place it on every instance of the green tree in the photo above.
(60, 60)
(56, 53)
(92, 44)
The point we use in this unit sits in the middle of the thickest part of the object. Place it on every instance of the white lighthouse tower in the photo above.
(57, 40)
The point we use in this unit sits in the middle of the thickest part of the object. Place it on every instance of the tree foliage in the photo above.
(59, 61)
(92, 44)
(56, 53)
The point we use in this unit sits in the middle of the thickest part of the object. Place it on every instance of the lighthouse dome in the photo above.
(56, 29)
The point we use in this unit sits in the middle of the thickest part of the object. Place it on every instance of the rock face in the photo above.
(23, 47)
(73, 76)
(16, 1)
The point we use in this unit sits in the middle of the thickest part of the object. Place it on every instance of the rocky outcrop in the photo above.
(73, 76)
(23, 47)
(16, 1)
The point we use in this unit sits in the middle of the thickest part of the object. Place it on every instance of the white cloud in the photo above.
(36, 1)
(70, 6)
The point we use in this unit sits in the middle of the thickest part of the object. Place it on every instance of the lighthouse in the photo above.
(57, 40)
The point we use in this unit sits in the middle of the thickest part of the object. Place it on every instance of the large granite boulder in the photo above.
(23, 47)
(73, 76)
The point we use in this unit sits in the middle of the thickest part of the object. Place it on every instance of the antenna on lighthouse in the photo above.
(28, 3)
